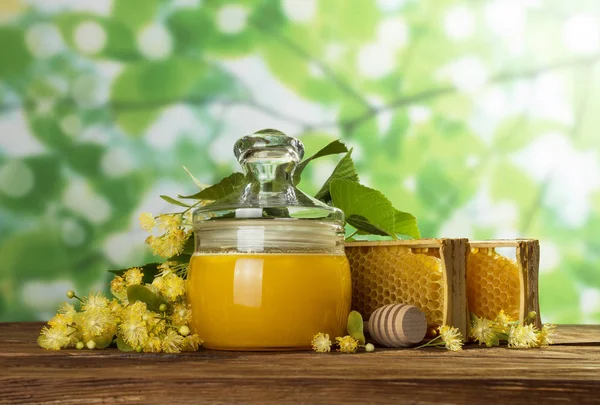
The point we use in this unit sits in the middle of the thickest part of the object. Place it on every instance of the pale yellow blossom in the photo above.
(546, 334)
(347, 344)
(94, 301)
(321, 343)
(172, 342)
(169, 223)
(484, 331)
(67, 309)
(182, 314)
(118, 287)
(54, 338)
(133, 331)
(523, 336)
(98, 322)
(61, 320)
(147, 221)
(152, 344)
(451, 337)
(133, 276)
(173, 288)
(191, 343)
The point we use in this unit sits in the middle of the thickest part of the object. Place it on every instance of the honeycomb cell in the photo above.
(492, 284)
(397, 275)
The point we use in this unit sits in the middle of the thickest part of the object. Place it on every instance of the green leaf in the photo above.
(122, 346)
(355, 327)
(152, 83)
(135, 13)
(333, 148)
(102, 342)
(344, 170)
(16, 57)
(370, 211)
(220, 190)
(150, 271)
(141, 293)
(364, 226)
(406, 224)
(364, 203)
(135, 122)
(36, 182)
(173, 201)
(201, 186)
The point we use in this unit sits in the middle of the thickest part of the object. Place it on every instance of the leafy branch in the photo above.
(447, 90)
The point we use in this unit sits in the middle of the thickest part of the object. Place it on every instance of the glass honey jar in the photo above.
(269, 269)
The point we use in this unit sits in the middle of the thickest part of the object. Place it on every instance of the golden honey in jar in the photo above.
(269, 270)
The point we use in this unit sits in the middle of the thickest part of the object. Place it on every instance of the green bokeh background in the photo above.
(480, 117)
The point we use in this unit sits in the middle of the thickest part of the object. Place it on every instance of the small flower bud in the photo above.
(79, 345)
(91, 344)
(138, 349)
(531, 315)
(369, 347)
(162, 307)
(184, 330)
(70, 294)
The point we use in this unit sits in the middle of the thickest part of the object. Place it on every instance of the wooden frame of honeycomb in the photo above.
(515, 285)
(427, 273)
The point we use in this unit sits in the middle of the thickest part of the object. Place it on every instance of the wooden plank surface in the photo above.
(566, 372)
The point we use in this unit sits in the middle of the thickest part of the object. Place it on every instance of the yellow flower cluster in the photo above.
(173, 233)
(518, 335)
(135, 325)
(448, 337)
(346, 344)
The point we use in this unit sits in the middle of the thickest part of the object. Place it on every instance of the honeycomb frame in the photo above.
(528, 262)
(452, 254)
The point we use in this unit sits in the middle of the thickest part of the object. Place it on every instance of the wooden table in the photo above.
(566, 372)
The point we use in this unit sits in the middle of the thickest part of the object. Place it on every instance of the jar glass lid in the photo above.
(269, 159)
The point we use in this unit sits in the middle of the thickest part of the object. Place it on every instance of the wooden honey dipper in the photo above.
(397, 325)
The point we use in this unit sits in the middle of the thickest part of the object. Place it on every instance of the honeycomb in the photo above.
(493, 284)
(397, 274)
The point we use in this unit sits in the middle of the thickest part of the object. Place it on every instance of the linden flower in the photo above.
(135, 310)
(67, 309)
(321, 343)
(97, 322)
(153, 323)
(523, 336)
(503, 321)
(118, 287)
(54, 338)
(191, 343)
(169, 223)
(182, 315)
(152, 345)
(484, 331)
(173, 288)
(115, 308)
(133, 276)
(545, 335)
(451, 337)
(94, 301)
(172, 342)
(61, 320)
(169, 244)
(347, 344)
(134, 332)
(147, 221)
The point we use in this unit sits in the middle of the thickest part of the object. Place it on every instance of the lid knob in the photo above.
(269, 145)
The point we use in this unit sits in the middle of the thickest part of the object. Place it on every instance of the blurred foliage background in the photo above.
(476, 116)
